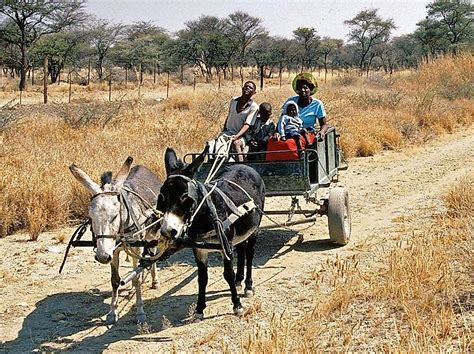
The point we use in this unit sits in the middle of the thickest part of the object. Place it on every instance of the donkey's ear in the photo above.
(123, 173)
(191, 169)
(85, 180)
(172, 163)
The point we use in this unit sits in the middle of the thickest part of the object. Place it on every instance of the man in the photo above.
(242, 114)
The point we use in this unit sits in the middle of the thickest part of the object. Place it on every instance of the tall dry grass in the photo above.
(39, 142)
(417, 297)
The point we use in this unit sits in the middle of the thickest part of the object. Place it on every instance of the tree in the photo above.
(327, 47)
(406, 51)
(30, 20)
(308, 40)
(142, 47)
(242, 30)
(103, 37)
(431, 37)
(367, 30)
(204, 43)
(60, 48)
(455, 17)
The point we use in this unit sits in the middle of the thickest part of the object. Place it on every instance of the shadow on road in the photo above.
(72, 321)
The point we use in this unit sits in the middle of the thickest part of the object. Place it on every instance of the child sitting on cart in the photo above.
(263, 129)
(290, 125)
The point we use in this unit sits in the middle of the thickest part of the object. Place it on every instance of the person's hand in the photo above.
(283, 138)
(234, 137)
(253, 143)
(276, 136)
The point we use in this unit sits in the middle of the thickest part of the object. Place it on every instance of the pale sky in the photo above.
(280, 17)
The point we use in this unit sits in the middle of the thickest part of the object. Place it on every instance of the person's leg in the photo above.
(297, 139)
(239, 149)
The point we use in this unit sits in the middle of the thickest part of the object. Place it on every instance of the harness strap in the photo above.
(229, 202)
(130, 213)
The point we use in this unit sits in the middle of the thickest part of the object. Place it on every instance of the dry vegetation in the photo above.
(415, 297)
(374, 113)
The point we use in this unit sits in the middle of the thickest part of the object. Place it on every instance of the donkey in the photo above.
(118, 206)
(228, 211)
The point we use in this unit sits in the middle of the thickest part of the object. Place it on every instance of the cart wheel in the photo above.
(339, 216)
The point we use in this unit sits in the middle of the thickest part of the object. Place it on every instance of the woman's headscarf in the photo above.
(309, 78)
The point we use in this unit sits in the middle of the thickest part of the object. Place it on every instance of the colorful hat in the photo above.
(308, 77)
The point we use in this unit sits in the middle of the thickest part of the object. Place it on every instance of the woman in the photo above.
(310, 109)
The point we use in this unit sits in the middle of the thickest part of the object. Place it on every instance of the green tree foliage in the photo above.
(243, 29)
(204, 43)
(454, 18)
(308, 42)
(367, 31)
(24, 22)
(103, 36)
(61, 48)
(143, 46)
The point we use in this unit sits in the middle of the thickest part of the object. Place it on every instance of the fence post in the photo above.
(168, 85)
(140, 75)
(194, 83)
(110, 85)
(218, 81)
(21, 94)
(280, 75)
(89, 72)
(70, 85)
(261, 77)
(45, 80)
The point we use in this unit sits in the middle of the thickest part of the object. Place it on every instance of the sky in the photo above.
(280, 17)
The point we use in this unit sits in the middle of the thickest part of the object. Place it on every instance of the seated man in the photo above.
(261, 132)
(242, 115)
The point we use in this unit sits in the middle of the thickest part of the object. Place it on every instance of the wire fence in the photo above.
(114, 83)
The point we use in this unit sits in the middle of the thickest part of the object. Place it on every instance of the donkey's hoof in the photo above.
(238, 286)
(248, 292)
(111, 318)
(154, 285)
(141, 318)
(198, 317)
(239, 311)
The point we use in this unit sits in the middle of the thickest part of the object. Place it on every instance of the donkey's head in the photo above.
(178, 197)
(105, 207)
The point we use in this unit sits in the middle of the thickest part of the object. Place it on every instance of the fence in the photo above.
(117, 80)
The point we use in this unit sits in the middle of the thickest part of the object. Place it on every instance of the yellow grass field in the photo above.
(372, 114)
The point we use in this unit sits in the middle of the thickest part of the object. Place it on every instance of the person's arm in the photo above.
(241, 132)
(321, 116)
(323, 127)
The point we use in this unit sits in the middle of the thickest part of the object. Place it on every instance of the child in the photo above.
(261, 132)
(290, 124)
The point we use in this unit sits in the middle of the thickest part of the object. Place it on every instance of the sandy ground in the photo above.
(41, 310)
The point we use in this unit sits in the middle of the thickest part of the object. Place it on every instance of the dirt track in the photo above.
(40, 309)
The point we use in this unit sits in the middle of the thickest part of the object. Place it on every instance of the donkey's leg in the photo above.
(201, 257)
(249, 253)
(154, 281)
(240, 265)
(229, 276)
(141, 316)
(112, 316)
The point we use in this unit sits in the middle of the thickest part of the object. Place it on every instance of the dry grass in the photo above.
(416, 297)
(39, 142)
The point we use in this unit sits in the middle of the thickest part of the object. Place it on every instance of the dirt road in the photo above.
(42, 310)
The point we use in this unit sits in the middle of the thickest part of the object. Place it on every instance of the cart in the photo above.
(317, 169)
